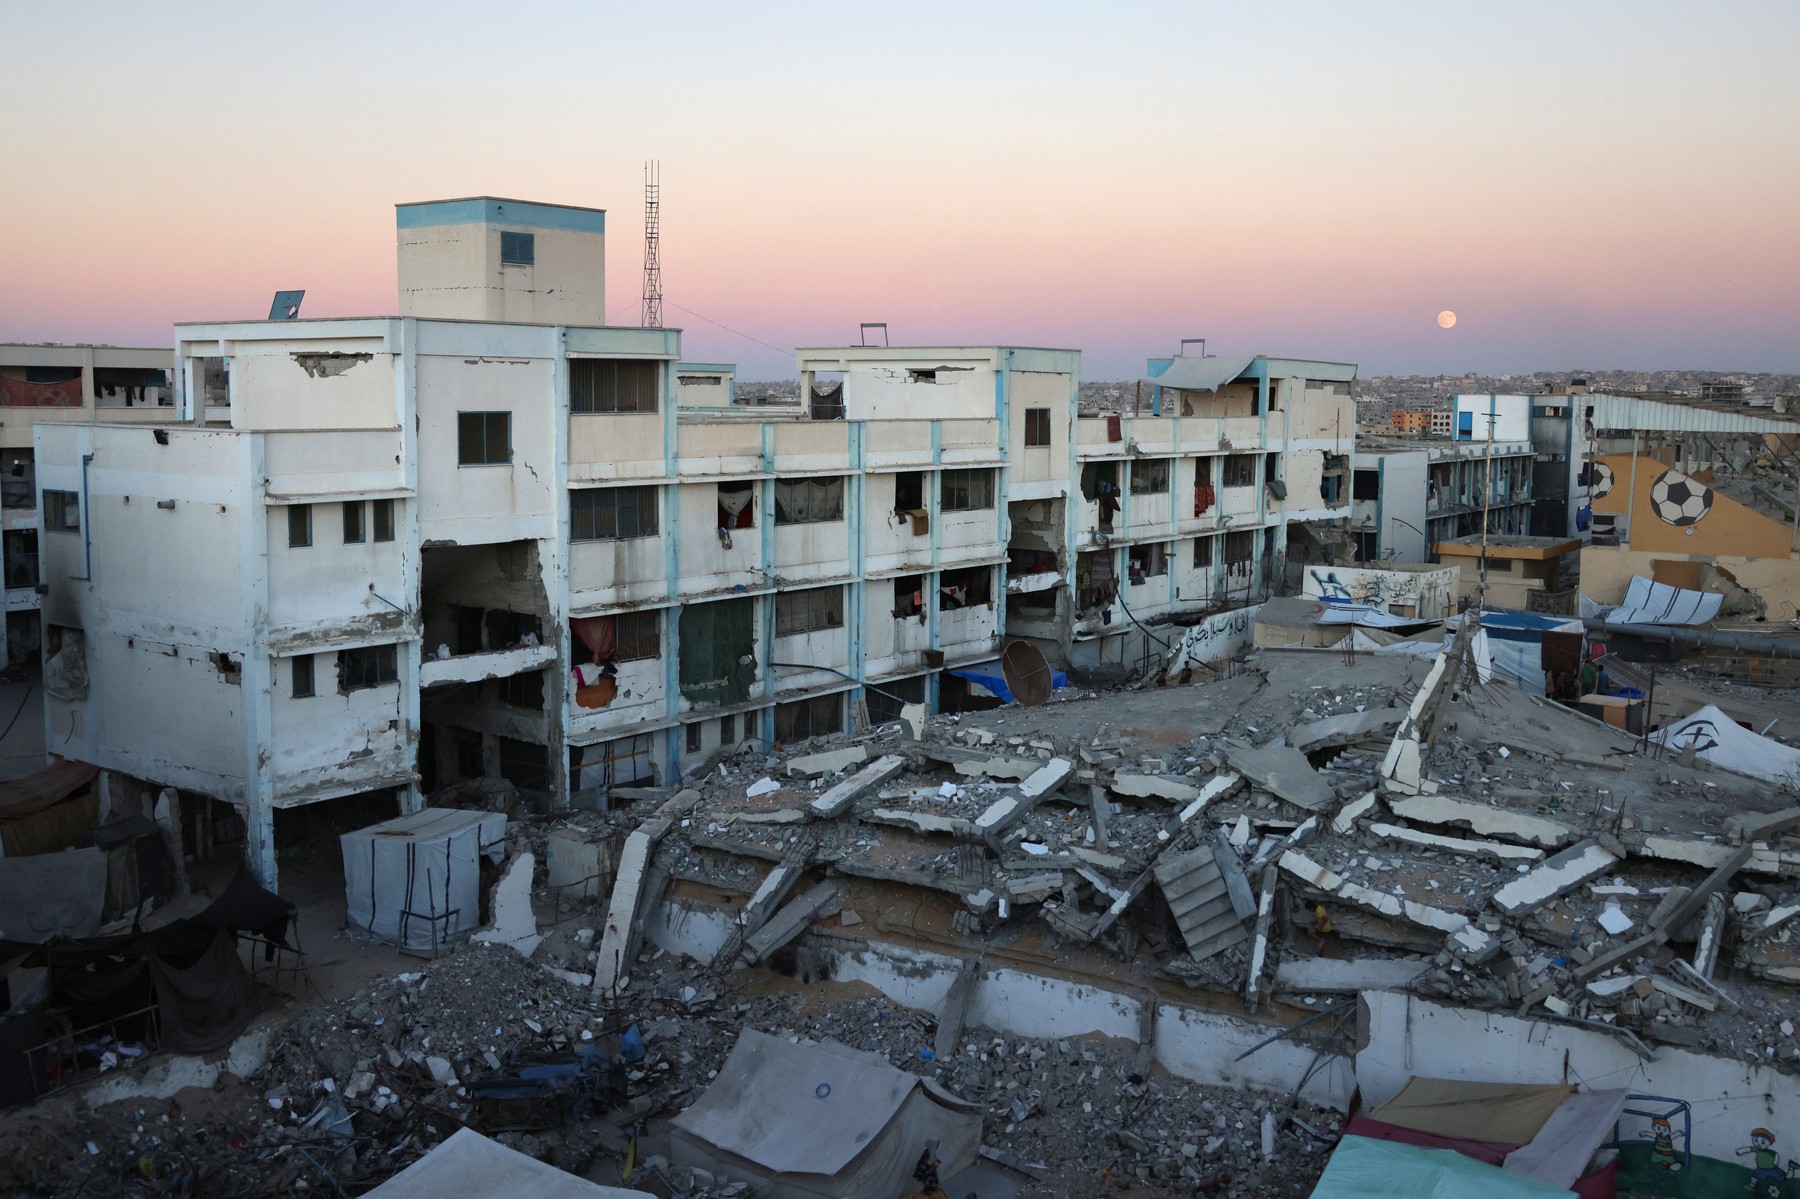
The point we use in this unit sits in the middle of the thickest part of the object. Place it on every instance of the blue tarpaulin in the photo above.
(990, 679)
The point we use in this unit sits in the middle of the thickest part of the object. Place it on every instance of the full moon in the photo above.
(1446, 319)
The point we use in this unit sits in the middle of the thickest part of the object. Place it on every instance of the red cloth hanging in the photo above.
(1204, 498)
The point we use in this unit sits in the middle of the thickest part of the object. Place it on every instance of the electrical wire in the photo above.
(709, 320)
(29, 685)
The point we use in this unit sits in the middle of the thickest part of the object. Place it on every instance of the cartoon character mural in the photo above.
(1768, 1177)
(1662, 1145)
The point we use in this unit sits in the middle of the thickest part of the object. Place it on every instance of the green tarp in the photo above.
(1364, 1168)
(718, 651)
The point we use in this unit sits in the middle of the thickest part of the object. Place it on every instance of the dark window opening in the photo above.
(518, 249)
(299, 526)
(354, 531)
(966, 490)
(523, 690)
(1365, 484)
(909, 492)
(805, 718)
(384, 520)
(1147, 561)
(1203, 551)
(1368, 547)
(511, 630)
(694, 738)
(1037, 427)
(52, 374)
(62, 511)
(614, 385)
(1240, 470)
(1240, 547)
(728, 729)
(970, 587)
(737, 506)
(808, 611)
(483, 438)
(370, 666)
(613, 513)
(1149, 476)
(893, 694)
(301, 674)
(809, 501)
(909, 596)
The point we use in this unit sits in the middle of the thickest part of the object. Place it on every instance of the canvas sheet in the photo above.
(418, 875)
(1724, 742)
(1201, 374)
(1485, 1111)
(1363, 1168)
(470, 1166)
(1647, 602)
(1560, 1152)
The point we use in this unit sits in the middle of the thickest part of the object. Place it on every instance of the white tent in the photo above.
(812, 1120)
(1724, 742)
(416, 880)
(469, 1166)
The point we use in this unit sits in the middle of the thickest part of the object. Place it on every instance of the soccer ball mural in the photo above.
(1601, 480)
(1679, 500)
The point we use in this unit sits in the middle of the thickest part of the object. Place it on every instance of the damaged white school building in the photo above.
(491, 537)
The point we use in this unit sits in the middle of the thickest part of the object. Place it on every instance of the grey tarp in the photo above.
(807, 1121)
(52, 895)
(470, 1166)
(416, 880)
(1560, 1152)
(1647, 602)
(1201, 374)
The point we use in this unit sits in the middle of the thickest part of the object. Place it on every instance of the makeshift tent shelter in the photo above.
(1724, 742)
(807, 1121)
(1516, 645)
(1366, 1168)
(53, 809)
(416, 880)
(470, 1166)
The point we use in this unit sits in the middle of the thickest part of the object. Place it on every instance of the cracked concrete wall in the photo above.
(483, 504)
(281, 385)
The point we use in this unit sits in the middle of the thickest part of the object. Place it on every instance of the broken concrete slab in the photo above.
(1709, 854)
(838, 799)
(1481, 818)
(1047, 778)
(1743, 827)
(913, 716)
(1345, 729)
(576, 864)
(778, 816)
(1008, 810)
(1201, 900)
(1259, 939)
(1333, 975)
(920, 822)
(1216, 788)
(1501, 850)
(1555, 877)
(1324, 879)
(1283, 771)
(955, 1009)
(1004, 769)
(1150, 786)
(1099, 811)
(816, 903)
(760, 787)
(1351, 812)
(625, 909)
(813, 765)
(513, 924)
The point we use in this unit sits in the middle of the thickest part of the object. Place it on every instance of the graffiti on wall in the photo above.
(1656, 1156)
(1220, 636)
(1427, 593)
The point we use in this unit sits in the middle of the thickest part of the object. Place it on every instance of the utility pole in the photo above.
(653, 295)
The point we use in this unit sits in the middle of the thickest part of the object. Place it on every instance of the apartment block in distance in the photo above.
(58, 383)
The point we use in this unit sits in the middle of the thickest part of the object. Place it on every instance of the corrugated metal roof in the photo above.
(1631, 412)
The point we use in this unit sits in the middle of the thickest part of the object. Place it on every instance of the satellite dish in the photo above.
(1027, 674)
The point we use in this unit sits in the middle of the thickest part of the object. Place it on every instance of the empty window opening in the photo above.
(1205, 495)
(384, 520)
(613, 513)
(1240, 470)
(1240, 547)
(511, 630)
(1150, 476)
(483, 438)
(1100, 483)
(300, 673)
(624, 762)
(971, 587)
(694, 737)
(1365, 484)
(805, 718)
(1203, 552)
(215, 381)
(909, 597)
(370, 666)
(1037, 427)
(522, 690)
(966, 490)
(727, 730)
(809, 501)
(614, 385)
(1147, 561)
(737, 506)
(825, 398)
(518, 249)
(62, 511)
(354, 530)
(909, 492)
(798, 612)
(886, 701)
(299, 526)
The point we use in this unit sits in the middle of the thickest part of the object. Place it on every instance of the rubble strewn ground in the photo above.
(1241, 845)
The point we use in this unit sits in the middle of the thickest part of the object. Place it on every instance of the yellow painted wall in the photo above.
(1727, 528)
(1606, 571)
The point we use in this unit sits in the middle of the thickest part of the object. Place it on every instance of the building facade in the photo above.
(1407, 496)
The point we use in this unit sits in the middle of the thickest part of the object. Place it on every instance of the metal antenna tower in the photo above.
(653, 298)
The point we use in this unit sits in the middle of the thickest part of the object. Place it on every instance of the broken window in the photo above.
(807, 611)
(1368, 547)
(909, 492)
(215, 382)
(1365, 484)
(354, 530)
(1149, 476)
(300, 673)
(1037, 427)
(613, 385)
(518, 249)
(1204, 494)
(483, 438)
(968, 588)
(737, 505)
(909, 597)
(617, 763)
(384, 520)
(809, 718)
(809, 501)
(1147, 561)
(613, 513)
(524, 690)
(1240, 470)
(62, 511)
(1203, 551)
(727, 730)
(694, 737)
(826, 399)
(966, 490)
(369, 666)
(1240, 547)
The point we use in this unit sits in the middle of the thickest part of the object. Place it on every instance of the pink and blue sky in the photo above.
(1586, 184)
